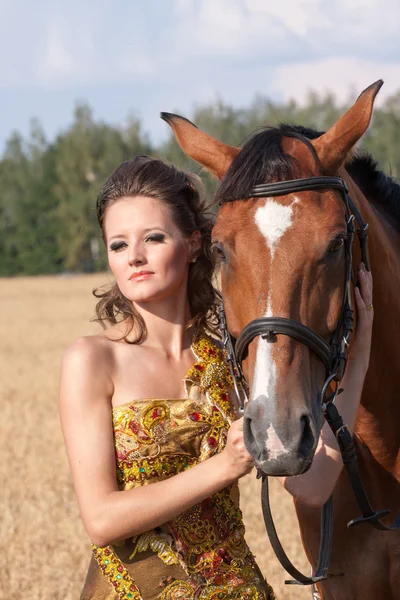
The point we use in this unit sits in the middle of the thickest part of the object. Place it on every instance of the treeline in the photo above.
(48, 189)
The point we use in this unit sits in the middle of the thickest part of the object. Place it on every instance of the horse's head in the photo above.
(281, 256)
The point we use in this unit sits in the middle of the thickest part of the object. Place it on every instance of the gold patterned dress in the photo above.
(202, 554)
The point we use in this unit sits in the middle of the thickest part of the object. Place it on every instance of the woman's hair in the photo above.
(182, 193)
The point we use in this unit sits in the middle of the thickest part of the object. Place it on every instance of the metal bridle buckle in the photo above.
(234, 367)
(350, 220)
(269, 337)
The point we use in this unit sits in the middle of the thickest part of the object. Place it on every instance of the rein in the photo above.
(333, 355)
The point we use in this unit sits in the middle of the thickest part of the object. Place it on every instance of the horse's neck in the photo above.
(378, 421)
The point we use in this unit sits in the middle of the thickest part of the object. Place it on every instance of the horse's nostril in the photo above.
(249, 438)
(307, 437)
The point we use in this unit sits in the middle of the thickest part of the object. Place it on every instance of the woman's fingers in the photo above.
(363, 296)
(361, 347)
(239, 424)
(365, 279)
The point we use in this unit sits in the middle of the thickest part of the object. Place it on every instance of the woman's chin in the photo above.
(152, 296)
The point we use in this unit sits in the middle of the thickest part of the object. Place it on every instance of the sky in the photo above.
(139, 57)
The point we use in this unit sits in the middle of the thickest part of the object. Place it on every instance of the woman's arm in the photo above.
(109, 514)
(315, 487)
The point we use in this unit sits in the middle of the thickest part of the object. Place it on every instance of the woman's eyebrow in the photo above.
(155, 227)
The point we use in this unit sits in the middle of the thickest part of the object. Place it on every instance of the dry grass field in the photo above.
(44, 549)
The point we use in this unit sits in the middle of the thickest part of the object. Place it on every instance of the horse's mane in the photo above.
(383, 191)
(262, 160)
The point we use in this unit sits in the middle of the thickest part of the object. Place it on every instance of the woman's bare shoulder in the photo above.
(87, 370)
(88, 348)
(92, 356)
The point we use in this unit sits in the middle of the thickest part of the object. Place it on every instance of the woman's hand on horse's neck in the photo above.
(316, 486)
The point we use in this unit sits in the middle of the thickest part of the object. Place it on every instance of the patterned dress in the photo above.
(202, 554)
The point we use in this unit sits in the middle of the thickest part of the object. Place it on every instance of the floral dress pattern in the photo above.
(202, 554)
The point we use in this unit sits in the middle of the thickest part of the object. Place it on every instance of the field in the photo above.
(44, 549)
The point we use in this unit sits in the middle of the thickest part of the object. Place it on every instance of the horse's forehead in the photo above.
(273, 220)
(233, 217)
(272, 217)
(266, 215)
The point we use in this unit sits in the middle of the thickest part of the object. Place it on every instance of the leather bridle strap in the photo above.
(269, 327)
(325, 547)
(333, 355)
(349, 457)
(282, 188)
(368, 514)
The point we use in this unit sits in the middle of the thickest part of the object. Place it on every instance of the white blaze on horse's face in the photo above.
(273, 220)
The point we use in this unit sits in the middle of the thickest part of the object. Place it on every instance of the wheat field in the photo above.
(44, 548)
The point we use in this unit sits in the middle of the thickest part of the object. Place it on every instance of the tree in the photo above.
(48, 220)
(85, 156)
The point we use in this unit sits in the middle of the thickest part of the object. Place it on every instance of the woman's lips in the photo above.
(140, 275)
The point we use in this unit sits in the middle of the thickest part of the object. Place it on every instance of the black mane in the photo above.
(382, 190)
(262, 160)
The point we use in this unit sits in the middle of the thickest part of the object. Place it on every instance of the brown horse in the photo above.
(283, 256)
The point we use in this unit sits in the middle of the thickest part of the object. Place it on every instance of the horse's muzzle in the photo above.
(279, 450)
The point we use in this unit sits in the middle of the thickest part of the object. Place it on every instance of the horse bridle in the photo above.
(334, 355)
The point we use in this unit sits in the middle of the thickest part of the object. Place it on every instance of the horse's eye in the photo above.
(217, 250)
(336, 245)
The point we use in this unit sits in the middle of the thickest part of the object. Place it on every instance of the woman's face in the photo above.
(147, 253)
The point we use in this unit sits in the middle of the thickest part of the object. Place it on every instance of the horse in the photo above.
(282, 255)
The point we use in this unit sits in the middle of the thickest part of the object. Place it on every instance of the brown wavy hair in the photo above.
(183, 194)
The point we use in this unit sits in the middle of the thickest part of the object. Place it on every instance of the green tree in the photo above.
(85, 155)
(382, 138)
(48, 220)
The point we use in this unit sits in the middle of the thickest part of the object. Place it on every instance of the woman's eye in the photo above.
(155, 237)
(336, 245)
(117, 246)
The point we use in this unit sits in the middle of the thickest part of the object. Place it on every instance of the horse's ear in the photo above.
(332, 147)
(206, 150)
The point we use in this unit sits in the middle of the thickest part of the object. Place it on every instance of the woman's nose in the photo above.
(136, 256)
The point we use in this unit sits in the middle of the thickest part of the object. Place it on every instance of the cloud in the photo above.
(57, 62)
(105, 41)
(287, 30)
(343, 76)
(125, 56)
(297, 16)
(218, 29)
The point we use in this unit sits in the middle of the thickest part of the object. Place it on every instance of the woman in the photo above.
(147, 402)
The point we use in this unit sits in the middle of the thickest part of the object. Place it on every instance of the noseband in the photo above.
(334, 356)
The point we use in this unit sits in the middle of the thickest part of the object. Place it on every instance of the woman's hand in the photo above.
(361, 347)
(239, 461)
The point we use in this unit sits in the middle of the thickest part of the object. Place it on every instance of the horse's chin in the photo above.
(293, 466)
(281, 451)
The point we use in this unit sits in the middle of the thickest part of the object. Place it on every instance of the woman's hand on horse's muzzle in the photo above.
(238, 460)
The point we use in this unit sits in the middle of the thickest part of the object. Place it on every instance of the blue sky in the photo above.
(138, 57)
